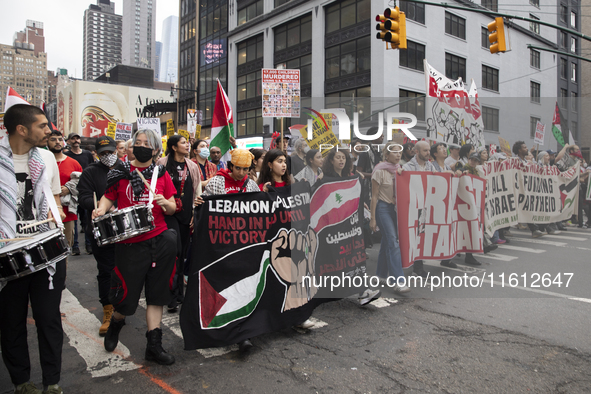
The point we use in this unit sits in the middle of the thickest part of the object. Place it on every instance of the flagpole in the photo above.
(282, 135)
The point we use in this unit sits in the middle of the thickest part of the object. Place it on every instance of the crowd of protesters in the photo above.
(93, 181)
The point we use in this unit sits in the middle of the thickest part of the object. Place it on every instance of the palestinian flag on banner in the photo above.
(559, 127)
(222, 124)
(12, 98)
(334, 202)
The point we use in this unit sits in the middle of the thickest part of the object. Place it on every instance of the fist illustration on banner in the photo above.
(293, 258)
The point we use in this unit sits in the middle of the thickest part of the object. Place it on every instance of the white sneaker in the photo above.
(401, 289)
(369, 296)
(307, 324)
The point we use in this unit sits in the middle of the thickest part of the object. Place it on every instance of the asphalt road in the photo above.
(445, 339)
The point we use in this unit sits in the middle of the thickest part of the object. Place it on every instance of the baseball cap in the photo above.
(104, 143)
(73, 135)
(475, 156)
(551, 152)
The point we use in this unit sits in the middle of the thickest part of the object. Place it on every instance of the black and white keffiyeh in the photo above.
(123, 171)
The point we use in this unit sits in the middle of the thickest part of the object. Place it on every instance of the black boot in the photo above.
(112, 336)
(154, 351)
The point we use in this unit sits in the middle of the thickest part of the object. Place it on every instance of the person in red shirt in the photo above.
(146, 259)
(274, 171)
(70, 171)
(235, 178)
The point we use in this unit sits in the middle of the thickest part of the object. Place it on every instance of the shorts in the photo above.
(150, 263)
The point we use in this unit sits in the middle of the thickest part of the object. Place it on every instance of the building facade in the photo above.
(158, 60)
(139, 33)
(170, 50)
(585, 99)
(25, 72)
(102, 39)
(31, 37)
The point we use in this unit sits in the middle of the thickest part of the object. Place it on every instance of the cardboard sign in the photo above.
(197, 132)
(111, 130)
(184, 133)
(505, 146)
(322, 134)
(149, 124)
(123, 131)
(170, 128)
(281, 93)
(539, 133)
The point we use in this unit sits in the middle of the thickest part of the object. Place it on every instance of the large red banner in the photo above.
(439, 215)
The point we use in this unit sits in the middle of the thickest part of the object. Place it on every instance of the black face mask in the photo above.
(143, 154)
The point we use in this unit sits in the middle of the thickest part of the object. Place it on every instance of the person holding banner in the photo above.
(30, 186)
(274, 170)
(383, 214)
(186, 178)
(207, 169)
(148, 258)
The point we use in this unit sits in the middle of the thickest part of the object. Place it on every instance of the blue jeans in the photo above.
(389, 259)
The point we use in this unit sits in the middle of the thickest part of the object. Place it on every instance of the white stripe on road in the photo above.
(384, 302)
(461, 268)
(575, 230)
(521, 249)
(500, 257)
(538, 241)
(545, 292)
(566, 237)
(81, 327)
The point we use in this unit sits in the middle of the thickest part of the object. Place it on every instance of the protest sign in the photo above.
(194, 118)
(198, 132)
(123, 131)
(439, 215)
(281, 93)
(111, 129)
(505, 146)
(539, 133)
(184, 133)
(248, 273)
(322, 133)
(169, 128)
(528, 193)
(453, 115)
(150, 124)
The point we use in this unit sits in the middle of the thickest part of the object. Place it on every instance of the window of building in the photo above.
(484, 38)
(249, 86)
(533, 123)
(348, 58)
(563, 13)
(413, 56)
(249, 12)
(533, 26)
(455, 25)
(490, 78)
(250, 122)
(412, 103)
(251, 49)
(293, 33)
(535, 3)
(413, 11)
(573, 45)
(455, 67)
(352, 100)
(563, 39)
(573, 19)
(304, 64)
(534, 58)
(346, 13)
(574, 128)
(490, 118)
(280, 2)
(492, 5)
(534, 91)
(574, 102)
(573, 72)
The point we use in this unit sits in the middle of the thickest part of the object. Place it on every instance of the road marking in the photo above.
(500, 257)
(567, 237)
(384, 302)
(170, 320)
(81, 327)
(575, 230)
(318, 323)
(546, 292)
(538, 241)
(461, 268)
(521, 249)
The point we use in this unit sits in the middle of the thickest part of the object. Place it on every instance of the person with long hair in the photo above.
(274, 170)
(313, 170)
(257, 163)
(337, 164)
(383, 214)
(207, 169)
(148, 259)
(465, 151)
(186, 178)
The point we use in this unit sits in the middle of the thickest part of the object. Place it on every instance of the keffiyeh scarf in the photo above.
(123, 171)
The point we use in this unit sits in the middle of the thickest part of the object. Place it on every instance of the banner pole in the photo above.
(282, 134)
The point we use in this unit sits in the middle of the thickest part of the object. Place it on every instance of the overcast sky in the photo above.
(62, 21)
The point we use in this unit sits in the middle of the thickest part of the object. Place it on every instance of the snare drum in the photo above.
(24, 257)
(123, 224)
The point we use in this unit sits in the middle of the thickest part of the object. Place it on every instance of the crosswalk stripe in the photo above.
(384, 302)
(538, 241)
(569, 237)
(461, 268)
(81, 327)
(521, 249)
(500, 257)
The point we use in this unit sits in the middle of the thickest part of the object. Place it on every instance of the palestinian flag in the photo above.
(228, 295)
(222, 124)
(559, 127)
(12, 98)
(334, 202)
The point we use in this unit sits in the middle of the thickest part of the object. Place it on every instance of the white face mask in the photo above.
(109, 160)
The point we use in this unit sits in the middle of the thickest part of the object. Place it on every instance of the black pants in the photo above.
(105, 262)
(183, 239)
(45, 304)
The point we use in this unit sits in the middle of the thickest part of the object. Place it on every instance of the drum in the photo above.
(24, 257)
(123, 224)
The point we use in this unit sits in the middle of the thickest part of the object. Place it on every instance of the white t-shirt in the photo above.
(26, 212)
(450, 161)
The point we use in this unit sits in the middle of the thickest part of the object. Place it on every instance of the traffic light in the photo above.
(392, 27)
(497, 36)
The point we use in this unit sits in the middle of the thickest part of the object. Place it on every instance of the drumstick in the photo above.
(36, 224)
(15, 239)
(94, 199)
(148, 185)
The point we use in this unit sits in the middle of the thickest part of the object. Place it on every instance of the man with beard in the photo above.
(83, 157)
(93, 182)
(67, 166)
